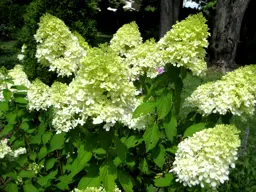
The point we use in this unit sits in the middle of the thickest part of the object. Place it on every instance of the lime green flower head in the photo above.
(102, 90)
(184, 45)
(205, 158)
(18, 76)
(57, 93)
(57, 47)
(39, 96)
(126, 38)
(145, 59)
(235, 93)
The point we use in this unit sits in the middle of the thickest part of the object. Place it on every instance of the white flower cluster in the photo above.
(184, 45)
(126, 38)
(145, 59)
(95, 189)
(235, 93)
(6, 150)
(17, 76)
(35, 167)
(58, 48)
(101, 90)
(205, 158)
(39, 96)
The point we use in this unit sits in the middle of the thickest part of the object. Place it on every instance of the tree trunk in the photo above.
(226, 32)
(169, 14)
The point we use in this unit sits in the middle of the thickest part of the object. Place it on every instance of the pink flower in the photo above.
(160, 70)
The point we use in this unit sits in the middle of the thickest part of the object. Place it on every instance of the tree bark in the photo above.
(169, 14)
(226, 32)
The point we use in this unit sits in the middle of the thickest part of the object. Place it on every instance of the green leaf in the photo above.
(100, 151)
(108, 175)
(28, 174)
(44, 181)
(172, 150)
(20, 100)
(117, 161)
(35, 139)
(4, 106)
(130, 162)
(12, 187)
(80, 162)
(32, 156)
(19, 87)
(62, 186)
(125, 180)
(151, 137)
(65, 180)
(12, 174)
(170, 126)
(42, 127)
(7, 94)
(22, 160)
(50, 163)
(166, 181)
(89, 181)
(11, 118)
(151, 188)
(193, 129)
(164, 105)
(46, 137)
(57, 142)
(144, 108)
(143, 166)
(7, 129)
(24, 126)
(133, 141)
(121, 149)
(158, 155)
(42, 153)
(29, 188)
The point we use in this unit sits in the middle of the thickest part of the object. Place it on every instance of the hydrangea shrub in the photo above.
(114, 126)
